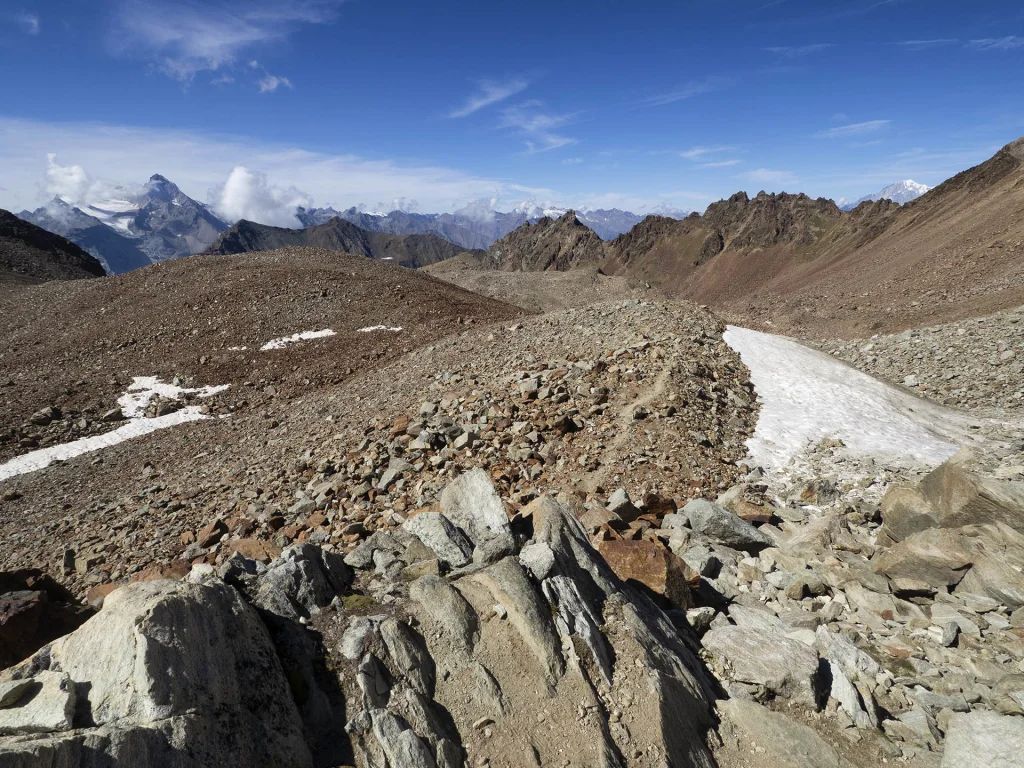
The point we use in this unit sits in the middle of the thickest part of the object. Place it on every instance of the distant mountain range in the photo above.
(30, 254)
(134, 229)
(337, 234)
(473, 228)
(899, 192)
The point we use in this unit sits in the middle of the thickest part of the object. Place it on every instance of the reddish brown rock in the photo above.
(652, 566)
(187, 537)
(34, 610)
(254, 549)
(178, 569)
(95, 596)
(211, 534)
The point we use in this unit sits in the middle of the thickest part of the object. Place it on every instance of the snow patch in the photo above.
(370, 328)
(237, 349)
(807, 396)
(144, 388)
(295, 337)
(133, 403)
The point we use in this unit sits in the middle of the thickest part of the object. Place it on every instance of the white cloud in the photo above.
(768, 176)
(719, 164)
(489, 92)
(270, 83)
(129, 155)
(185, 37)
(248, 195)
(70, 182)
(572, 161)
(854, 129)
(697, 153)
(536, 126)
(688, 91)
(29, 22)
(795, 52)
(997, 43)
(923, 45)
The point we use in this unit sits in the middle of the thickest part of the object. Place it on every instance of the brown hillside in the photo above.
(549, 244)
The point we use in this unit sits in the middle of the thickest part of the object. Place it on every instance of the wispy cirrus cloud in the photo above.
(696, 153)
(29, 22)
(186, 37)
(769, 176)
(854, 129)
(537, 126)
(997, 43)
(924, 45)
(688, 91)
(796, 51)
(572, 161)
(719, 163)
(489, 92)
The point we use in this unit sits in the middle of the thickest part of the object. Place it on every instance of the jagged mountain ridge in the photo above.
(31, 254)
(470, 229)
(550, 244)
(159, 223)
(338, 235)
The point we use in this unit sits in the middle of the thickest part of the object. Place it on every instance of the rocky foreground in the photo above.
(548, 551)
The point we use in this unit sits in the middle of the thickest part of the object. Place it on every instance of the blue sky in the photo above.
(432, 105)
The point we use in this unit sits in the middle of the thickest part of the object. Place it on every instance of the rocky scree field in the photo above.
(526, 541)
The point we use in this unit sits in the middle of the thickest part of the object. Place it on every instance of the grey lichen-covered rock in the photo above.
(303, 580)
(722, 526)
(172, 673)
(471, 502)
(781, 741)
(984, 739)
(964, 498)
(442, 537)
(44, 704)
(779, 665)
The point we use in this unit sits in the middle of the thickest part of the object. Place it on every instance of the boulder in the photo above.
(964, 498)
(446, 541)
(984, 739)
(652, 566)
(937, 556)
(169, 672)
(34, 609)
(47, 706)
(780, 740)
(723, 527)
(905, 511)
(779, 665)
(472, 504)
(303, 580)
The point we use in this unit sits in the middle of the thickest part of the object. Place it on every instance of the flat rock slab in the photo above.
(783, 666)
(984, 739)
(47, 706)
(471, 502)
(785, 743)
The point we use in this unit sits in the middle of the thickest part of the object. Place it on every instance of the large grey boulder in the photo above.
(937, 556)
(472, 504)
(905, 511)
(722, 526)
(782, 742)
(45, 703)
(768, 660)
(439, 534)
(984, 739)
(963, 498)
(302, 581)
(169, 673)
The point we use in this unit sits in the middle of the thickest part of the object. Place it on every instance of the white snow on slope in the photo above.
(371, 328)
(144, 388)
(295, 337)
(807, 396)
(133, 403)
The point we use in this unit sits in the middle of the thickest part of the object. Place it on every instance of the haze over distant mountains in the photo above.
(131, 229)
(899, 192)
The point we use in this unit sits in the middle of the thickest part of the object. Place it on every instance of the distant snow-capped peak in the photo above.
(899, 192)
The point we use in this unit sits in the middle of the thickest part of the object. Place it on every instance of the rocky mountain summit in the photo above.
(555, 244)
(141, 227)
(337, 235)
(30, 254)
